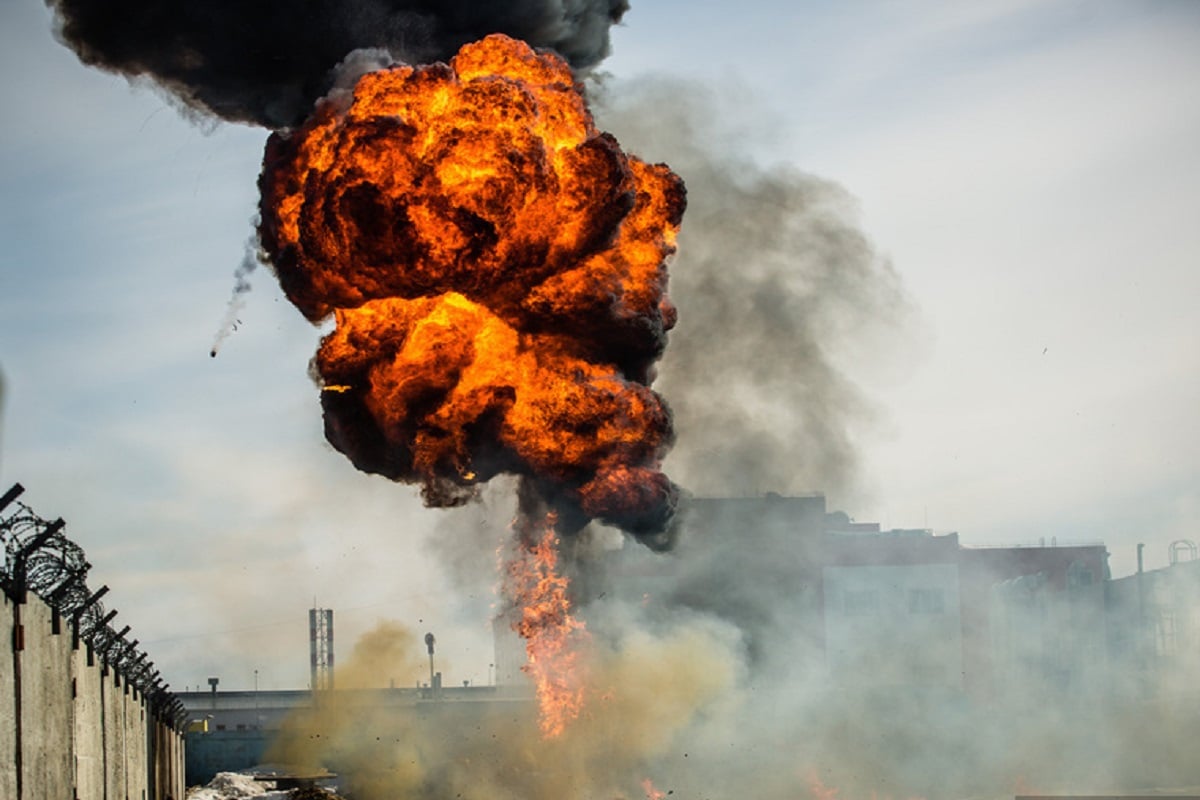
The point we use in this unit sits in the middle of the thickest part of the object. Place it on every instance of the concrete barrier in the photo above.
(88, 744)
(46, 706)
(82, 729)
(8, 733)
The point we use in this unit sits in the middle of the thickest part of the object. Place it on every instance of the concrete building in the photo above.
(245, 711)
(899, 608)
(1154, 632)
(1036, 621)
(754, 561)
(231, 731)
(891, 604)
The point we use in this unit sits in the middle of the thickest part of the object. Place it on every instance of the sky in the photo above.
(1031, 171)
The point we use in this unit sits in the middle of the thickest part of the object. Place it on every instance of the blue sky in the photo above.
(1031, 169)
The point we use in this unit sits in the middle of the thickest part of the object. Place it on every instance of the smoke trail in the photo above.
(241, 285)
(266, 62)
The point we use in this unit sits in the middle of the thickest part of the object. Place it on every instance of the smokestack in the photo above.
(320, 637)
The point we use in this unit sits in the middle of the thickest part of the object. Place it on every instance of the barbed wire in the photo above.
(40, 558)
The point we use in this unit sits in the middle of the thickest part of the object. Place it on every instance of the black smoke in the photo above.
(265, 62)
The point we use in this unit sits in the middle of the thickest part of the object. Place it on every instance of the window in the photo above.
(1078, 575)
(926, 601)
(860, 603)
(1165, 628)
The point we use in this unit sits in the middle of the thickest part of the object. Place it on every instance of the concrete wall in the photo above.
(137, 740)
(81, 730)
(113, 716)
(166, 759)
(88, 743)
(8, 732)
(46, 706)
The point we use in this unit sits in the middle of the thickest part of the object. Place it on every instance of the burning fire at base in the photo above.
(553, 637)
(652, 793)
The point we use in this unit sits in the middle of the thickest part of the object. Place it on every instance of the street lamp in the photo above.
(429, 640)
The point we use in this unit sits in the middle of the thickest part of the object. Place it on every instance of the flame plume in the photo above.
(495, 268)
(651, 792)
(553, 636)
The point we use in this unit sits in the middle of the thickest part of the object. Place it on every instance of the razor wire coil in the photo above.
(39, 557)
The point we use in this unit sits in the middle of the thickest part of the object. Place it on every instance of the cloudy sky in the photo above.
(1031, 170)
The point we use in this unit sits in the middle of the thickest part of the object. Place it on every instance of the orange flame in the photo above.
(818, 789)
(495, 268)
(651, 792)
(553, 637)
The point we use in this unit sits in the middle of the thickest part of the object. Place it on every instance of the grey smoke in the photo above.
(772, 278)
(241, 286)
(265, 62)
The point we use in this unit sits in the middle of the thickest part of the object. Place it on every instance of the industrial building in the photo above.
(884, 608)
(1154, 628)
(823, 599)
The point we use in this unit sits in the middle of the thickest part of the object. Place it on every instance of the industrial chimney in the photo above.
(320, 636)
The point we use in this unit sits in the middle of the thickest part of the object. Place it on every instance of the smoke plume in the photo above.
(775, 277)
(266, 62)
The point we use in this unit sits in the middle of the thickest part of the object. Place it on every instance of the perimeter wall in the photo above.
(83, 712)
(81, 729)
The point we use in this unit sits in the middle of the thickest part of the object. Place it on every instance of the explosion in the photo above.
(493, 264)
(495, 268)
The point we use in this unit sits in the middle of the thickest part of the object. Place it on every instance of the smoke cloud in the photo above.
(674, 699)
(266, 62)
(647, 687)
(774, 277)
